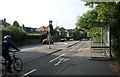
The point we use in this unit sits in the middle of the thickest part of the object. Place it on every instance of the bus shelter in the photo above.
(101, 50)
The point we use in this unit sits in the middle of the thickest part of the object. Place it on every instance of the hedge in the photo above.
(19, 36)
(36, 36)
(15, 32)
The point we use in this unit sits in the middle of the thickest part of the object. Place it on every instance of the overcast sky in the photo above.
(37, 13)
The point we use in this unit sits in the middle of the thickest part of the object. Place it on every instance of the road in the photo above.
(35, 52)
(40, 60)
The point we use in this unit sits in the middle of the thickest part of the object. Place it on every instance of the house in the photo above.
(64, 32)
(3, 23)
(70, 32)
(30, 30)
(42, 30)
(0, 23)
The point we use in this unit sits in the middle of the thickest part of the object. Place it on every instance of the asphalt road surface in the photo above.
(40, 60)
(39, 63)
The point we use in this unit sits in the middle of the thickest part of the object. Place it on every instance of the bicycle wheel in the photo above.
(18, 64)
(4, 69)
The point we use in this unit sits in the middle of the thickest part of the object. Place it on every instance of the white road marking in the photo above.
(80, 49)
(28, 73)
(71, 50)
(77, 47)
(25, 49)
(65, 43)
(57, 57)
(60, 60)
(66, 59)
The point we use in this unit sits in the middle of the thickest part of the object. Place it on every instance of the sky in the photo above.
(37, 13)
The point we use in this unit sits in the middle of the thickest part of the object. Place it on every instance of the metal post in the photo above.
(49, 39)
(50, 23)
(110, 42)
(48, 29)
(111, 15)
(102, 42)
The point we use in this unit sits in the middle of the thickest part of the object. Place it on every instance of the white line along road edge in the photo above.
(28, 73)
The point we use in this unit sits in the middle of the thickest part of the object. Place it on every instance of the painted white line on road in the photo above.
(29, 73)
(60, 60)
(25, 49)
(66, 59)
(77, 47)
(81, 47)
(71, 50)
(65, 43)
(57, 57)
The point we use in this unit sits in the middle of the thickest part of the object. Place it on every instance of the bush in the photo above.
(16, 34)
(19, 37)
(36, 36)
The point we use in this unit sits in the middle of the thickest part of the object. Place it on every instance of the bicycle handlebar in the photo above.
(13, 51)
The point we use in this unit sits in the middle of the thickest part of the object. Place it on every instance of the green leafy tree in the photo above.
(77, 34)
(109, 12)
(15, 23)
(85, 20)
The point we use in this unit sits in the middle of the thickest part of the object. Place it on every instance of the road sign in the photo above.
(48, 29)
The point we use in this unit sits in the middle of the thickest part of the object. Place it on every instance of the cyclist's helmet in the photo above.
(7, 37)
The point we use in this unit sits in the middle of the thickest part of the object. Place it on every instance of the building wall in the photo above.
(1, 26)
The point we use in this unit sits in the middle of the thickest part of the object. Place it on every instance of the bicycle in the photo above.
(4, 68)
(16, 62)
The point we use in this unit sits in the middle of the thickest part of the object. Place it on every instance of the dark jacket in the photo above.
(6, 46)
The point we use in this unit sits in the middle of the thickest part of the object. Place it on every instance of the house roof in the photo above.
(41, 29)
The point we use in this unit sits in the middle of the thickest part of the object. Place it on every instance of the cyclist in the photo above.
(6, 44)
